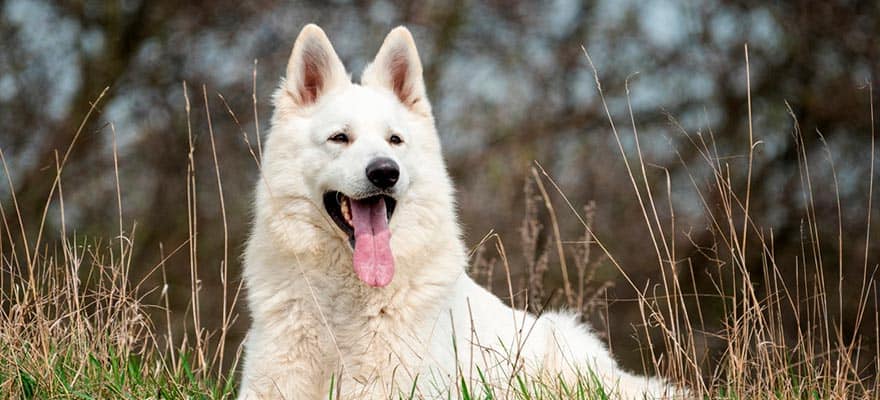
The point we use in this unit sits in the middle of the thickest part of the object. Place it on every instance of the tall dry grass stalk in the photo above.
(781, 336)
(74, 324)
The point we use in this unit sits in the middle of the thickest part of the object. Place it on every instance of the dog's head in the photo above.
(354, 165)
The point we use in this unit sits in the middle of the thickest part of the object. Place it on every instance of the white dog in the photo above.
(355, 269)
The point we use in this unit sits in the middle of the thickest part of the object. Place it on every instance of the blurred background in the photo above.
(510, 85)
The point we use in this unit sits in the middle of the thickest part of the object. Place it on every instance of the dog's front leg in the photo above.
(284, 363)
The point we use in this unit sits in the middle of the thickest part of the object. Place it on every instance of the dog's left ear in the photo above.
(397, 67)
(313, 68)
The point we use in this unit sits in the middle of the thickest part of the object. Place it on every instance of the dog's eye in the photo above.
(339, 138)
(394, 139)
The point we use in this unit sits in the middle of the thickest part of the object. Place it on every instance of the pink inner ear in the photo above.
(399, 69)
(312, 78)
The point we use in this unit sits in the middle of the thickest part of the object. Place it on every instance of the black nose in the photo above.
(383, 172)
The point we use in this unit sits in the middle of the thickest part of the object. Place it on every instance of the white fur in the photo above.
(314, 322)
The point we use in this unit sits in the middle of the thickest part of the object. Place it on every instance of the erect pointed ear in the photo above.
(313, 68)
(397, 67)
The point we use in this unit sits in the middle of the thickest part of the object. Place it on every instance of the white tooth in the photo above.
(346, 212)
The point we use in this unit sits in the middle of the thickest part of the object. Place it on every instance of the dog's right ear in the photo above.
(313, 68)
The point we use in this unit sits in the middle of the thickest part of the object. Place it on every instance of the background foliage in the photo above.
(509, 83)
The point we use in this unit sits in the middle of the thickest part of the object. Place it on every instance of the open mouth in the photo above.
(365, 221)
(339, 207)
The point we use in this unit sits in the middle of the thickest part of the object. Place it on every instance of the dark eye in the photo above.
(394, 139)
(339, 138)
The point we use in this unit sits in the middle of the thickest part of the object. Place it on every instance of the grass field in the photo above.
(74, 325)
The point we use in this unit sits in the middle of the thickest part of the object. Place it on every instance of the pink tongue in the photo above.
(373, 262)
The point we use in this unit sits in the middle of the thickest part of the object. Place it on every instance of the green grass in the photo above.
(72, 326)
(110, 376)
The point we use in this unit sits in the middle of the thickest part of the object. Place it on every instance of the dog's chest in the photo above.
(389, 328)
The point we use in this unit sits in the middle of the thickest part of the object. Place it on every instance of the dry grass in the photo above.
(72, 324)
(781, 335)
